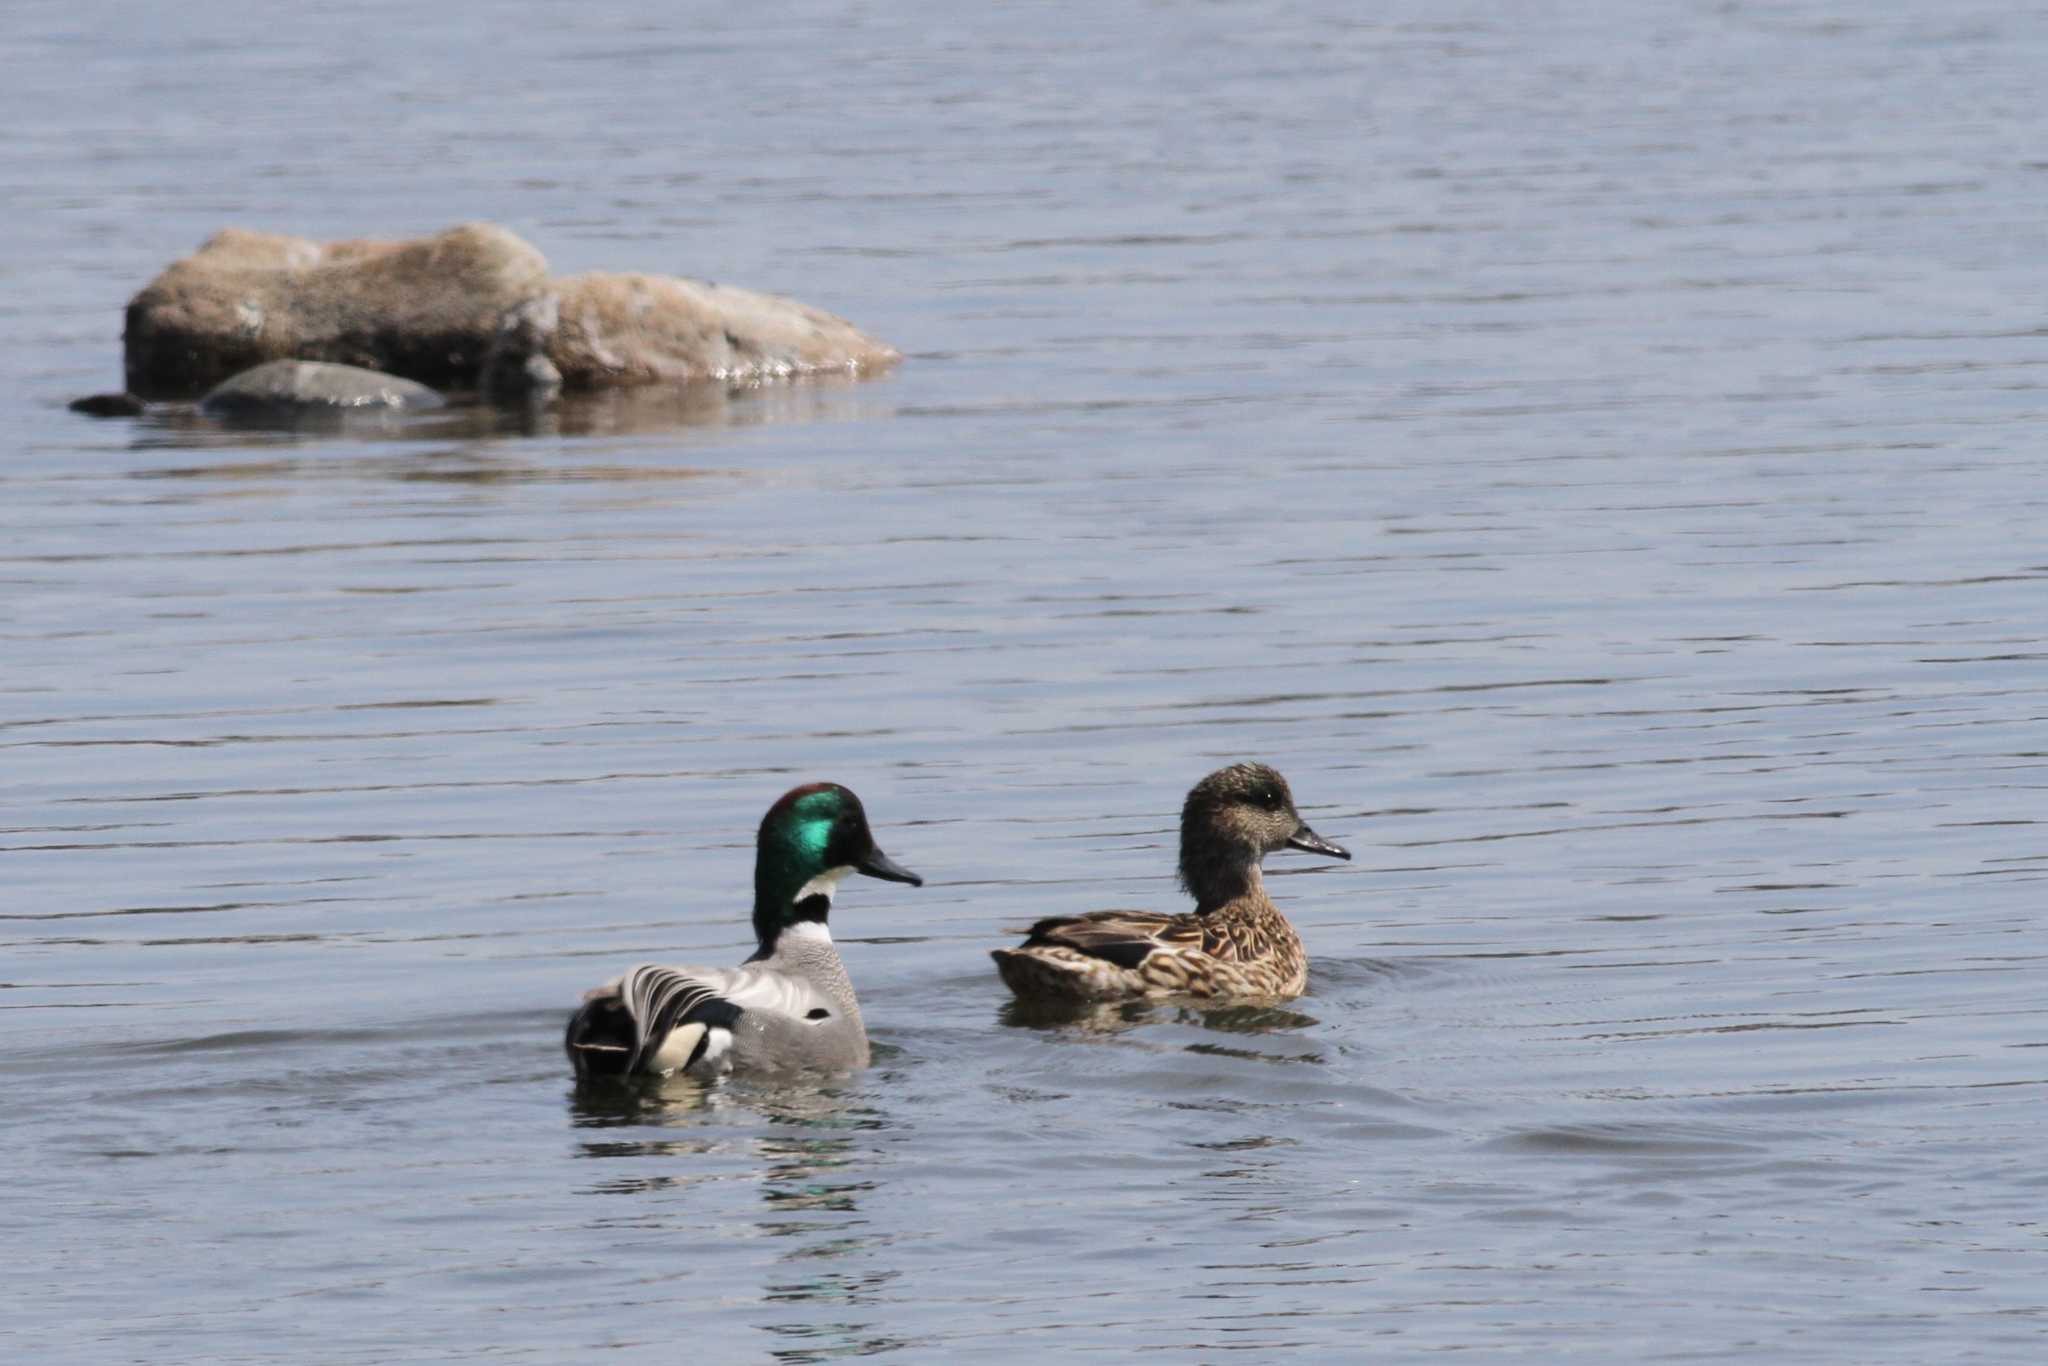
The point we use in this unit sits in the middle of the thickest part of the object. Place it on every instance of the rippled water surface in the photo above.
(1594, 451)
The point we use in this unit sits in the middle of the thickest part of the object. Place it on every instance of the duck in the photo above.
(1235, 943)
(788, 1008)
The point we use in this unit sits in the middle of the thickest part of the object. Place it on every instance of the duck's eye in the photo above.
(1270, 798)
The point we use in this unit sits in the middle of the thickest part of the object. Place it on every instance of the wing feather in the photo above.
(1125, 938)
(625, 1024)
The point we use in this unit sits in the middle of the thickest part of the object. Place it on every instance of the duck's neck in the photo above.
(787, 903)
(1216, 883)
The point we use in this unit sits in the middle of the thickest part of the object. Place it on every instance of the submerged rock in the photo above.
(427, 310)
(108, 405)
(472, 308)
(288, 389)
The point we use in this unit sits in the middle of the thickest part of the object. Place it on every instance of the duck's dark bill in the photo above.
(1309, 842)
(879, 864)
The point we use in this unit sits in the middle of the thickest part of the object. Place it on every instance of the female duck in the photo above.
(1234, 943)
(790, 1007)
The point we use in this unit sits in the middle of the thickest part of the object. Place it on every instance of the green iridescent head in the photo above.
(810, 839)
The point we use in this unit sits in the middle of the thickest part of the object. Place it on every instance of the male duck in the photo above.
(1234, 943)
(790, 1007)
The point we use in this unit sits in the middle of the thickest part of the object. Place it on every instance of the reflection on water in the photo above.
(681, 1102)
(482, 465)
(695, 411)
(1115, 1017)
(807, 1151)
(798, 1136)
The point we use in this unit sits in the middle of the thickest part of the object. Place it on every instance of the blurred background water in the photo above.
(1590, 449)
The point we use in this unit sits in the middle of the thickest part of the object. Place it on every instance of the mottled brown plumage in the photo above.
(1234, 943)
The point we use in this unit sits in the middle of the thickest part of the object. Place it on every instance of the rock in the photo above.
(469, 308)
(289, 389)
(428, 310)
(517, 366)
(108, 405)
(622, 330)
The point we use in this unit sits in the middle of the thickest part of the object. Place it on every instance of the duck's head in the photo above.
(812, 837)
(1233, 819)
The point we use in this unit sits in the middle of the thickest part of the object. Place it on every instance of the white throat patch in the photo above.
(826, 883)
(807, 929)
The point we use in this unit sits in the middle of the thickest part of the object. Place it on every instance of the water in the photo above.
(1592, 451)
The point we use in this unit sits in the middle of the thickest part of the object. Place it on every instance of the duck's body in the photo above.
(1235, 943)
(1241, 950)
(790, 1007)
(791, 1011)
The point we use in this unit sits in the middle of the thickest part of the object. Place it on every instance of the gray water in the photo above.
(1594, 451)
